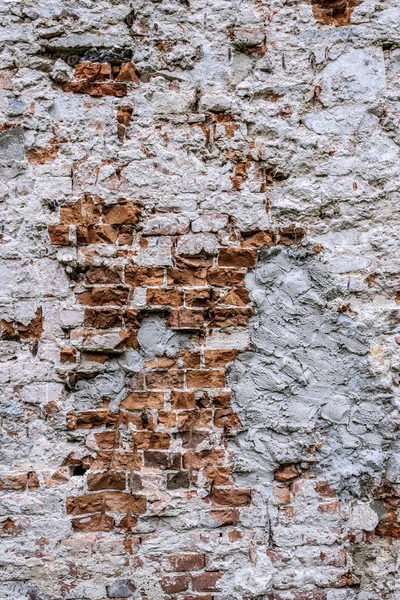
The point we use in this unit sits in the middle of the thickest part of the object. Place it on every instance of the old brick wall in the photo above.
(199, 296)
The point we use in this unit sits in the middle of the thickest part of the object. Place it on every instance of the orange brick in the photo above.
(122, 214)
(59, 235)
(164, 380)
(226, 277)
(143, 400)
(68, 355)
(205, 378)
(186, 319)
(235, 297)
(112, 501)
(183, 400)
(219, 358)
(230, 317)
(164, 297)
(103, 296)
(231, 497)
(237, 257)
(188, 277)
(149, 440)
(96, 234)
(144, 276)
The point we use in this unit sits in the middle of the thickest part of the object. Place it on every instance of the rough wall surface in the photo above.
(199, 299)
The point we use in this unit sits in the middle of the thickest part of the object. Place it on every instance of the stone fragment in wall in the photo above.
(362, 517)
(61, 72)
(12, 153)
(255, 579)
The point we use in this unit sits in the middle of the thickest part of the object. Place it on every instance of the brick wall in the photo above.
(199, 301)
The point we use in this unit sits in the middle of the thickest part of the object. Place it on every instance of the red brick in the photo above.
(149, 440)
(226, 517)
(188, 360)
(83, 212)
(182, 400)
(102, 319)
(235, 297)
(96, 234)
(103, 296)
(206, 582)
(205, 458)
(281, 494)
(219, 358)
(90, 419)
(191, 419)
(174, 584)
(105, 440)
(291, 235)
(13, 482)
(154, 459)
(97, 90)
(226, 277)
(227, 419)
(132, 319)
(205, 378)
(186, 319)
(230, 317)
(187, 277)
(203, 298)
(164, 380)
(108, 480)
(286, 473)
(144, 276)
(109, 501)
(124, 115)
(143, 400)
(122, 214)
(164, 297)
(128, 73)
(231, 497)
(101, 275)
(186, 562)
(96, 522)
(59, 235)
(259, 239)
(68, 355)
(92, 71)
(237, 257)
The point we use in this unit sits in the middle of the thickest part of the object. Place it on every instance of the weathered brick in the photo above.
(164, 380)
(174, 584)
(109, 501)
(235, 297)
(68, 355)
(227, 419)
(96, 522)
(59, 235)
(225, 277)
(102, 319)
(182, 400)
(92, 71)
(201, 298)
(230, 317)
(164, 297)
(107, 480)
(286, 472)
(122, 214)
(187, 277)
(162, 460)
(206, 582)
(128, 73)
(231, 497)
(237, 257)
(97, 90)
(103, 275)
(96, 234)
(186, 562)
(149, 440)
(144, 276)
(186, 319)
(103, 296)
(219, 358)
(205, 378)
(178, 480)
(143, 400)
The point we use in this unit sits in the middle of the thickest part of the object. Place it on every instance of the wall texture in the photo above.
(199, 299)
